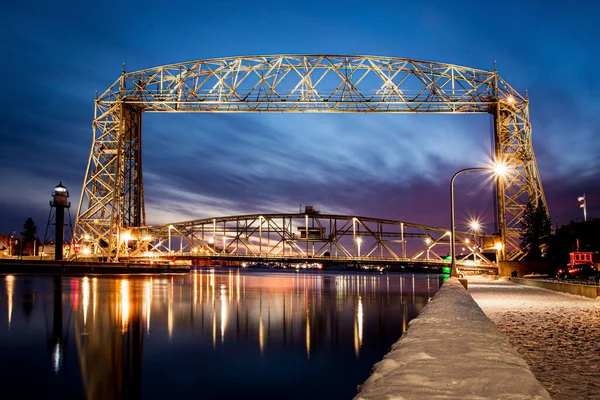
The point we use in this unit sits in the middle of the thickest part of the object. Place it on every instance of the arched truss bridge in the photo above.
(112, 198)
(302, 237)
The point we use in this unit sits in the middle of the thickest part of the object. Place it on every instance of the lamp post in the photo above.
(10, 243)
(583, 205)
(499, 170)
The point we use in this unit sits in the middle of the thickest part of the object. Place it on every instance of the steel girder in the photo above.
(112, 195)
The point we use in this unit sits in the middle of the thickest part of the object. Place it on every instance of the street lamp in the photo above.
(10, 243)
(499, 170)
(358, 242)
(583, 205)
(170, 227)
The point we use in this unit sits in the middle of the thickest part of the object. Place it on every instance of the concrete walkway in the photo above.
(557, 334)
(452, 351)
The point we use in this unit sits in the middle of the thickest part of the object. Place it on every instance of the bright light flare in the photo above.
(498, 246)
(475, 225)
(501, 169)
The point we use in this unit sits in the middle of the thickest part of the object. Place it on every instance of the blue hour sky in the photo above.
(56, 54)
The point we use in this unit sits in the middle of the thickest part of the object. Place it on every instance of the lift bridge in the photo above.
(112, 201)
(307, 237)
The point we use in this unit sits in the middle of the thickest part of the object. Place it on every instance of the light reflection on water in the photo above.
(223, 333)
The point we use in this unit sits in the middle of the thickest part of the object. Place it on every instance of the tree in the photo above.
(29, 237)
(536, 225)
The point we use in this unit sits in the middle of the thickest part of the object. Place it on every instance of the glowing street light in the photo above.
(499, 170)
(475, 225)
(498, 246)
(170, 227)
(358, 243)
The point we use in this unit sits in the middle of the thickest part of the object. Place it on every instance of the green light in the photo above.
(446, 270)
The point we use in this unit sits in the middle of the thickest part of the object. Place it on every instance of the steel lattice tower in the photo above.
(113, 197)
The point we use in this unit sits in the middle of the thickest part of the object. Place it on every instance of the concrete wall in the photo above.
(524, 268)
(452, 351)
(581, 290)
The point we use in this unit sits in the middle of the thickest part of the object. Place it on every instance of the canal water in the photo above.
(214, 334)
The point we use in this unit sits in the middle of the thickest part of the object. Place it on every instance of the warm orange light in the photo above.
(475, 225)
(501, 169)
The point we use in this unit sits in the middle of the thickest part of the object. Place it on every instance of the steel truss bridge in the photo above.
(305, 237)
(112, 199)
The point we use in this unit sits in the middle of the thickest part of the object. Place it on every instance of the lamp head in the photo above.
(501, 169)
(475, 225)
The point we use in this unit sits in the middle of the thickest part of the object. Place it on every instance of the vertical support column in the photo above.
(499, 156)
(403, 240)
(133, 185)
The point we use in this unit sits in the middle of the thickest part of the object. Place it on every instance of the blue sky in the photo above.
(56, 54)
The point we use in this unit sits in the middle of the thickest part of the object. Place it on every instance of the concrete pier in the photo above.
(11, 266)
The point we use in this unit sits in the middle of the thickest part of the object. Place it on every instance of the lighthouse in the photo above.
(60, 201)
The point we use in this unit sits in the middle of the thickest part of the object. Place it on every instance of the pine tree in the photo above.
(536, 224)
(29, 236)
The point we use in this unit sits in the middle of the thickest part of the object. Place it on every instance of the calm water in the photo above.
(207, 334)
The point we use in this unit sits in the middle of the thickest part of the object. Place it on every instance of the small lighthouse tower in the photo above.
(60, 201)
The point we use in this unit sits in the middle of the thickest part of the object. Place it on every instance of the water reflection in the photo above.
(116, 319)
(10, 284)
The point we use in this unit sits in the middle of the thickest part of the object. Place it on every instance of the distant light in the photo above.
(498, 246)
(510, 99)
(86, 250)
(428, 240)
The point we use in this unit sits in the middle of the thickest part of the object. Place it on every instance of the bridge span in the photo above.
(299, 237)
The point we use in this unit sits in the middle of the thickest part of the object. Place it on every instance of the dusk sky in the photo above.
(398, 166)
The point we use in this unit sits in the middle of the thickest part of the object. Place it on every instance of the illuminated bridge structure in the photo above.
(112, 199)
(305, 237)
